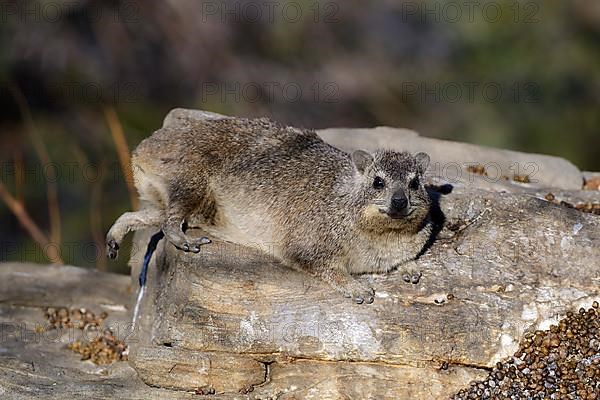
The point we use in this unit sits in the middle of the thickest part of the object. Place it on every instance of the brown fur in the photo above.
(254, 182)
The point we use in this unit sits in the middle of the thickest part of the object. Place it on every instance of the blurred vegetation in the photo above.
(526, 78)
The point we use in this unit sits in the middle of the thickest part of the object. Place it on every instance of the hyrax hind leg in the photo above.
(343, 282)
(338, 277)
(185, 199)
(173, 230)
(128, 222)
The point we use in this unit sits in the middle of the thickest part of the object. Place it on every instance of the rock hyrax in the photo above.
(252, 181)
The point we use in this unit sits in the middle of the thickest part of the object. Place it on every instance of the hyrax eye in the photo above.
(378, 183)
(414, 183)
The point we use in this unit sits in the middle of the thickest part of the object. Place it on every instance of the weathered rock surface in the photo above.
(504, 262)
(35, 364)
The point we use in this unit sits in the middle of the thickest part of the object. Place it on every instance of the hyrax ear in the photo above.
(422, 162)
(362, 160)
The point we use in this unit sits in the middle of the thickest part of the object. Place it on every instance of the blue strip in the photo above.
(151, 249)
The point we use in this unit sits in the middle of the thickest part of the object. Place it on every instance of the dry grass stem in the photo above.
(118, 136)
(48, 167)
(30, 226)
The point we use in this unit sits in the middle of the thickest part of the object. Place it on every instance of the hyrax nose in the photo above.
(399, 201)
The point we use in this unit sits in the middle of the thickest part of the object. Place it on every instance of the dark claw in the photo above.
(112, 249)
(359, 300)
(205, 240)
(185, 247)
(406, 278)
(370, 300)
(196, 249)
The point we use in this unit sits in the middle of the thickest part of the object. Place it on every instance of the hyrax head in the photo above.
(392, 185)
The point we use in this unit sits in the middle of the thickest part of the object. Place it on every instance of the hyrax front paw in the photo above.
(112, 248)
(359, 293)
(410, 275)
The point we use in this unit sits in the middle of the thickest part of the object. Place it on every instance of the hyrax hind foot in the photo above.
(191, 245)
(351, 288)
(359, 293)
(179, 239)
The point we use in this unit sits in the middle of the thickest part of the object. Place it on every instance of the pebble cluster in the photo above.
(477, 169)
(480, 170)
(593, 208)
(560, 363)
(63, 318)
(102, 350)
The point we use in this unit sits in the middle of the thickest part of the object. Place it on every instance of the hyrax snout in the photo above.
(252, 181)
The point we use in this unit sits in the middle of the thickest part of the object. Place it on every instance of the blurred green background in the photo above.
(78, 79)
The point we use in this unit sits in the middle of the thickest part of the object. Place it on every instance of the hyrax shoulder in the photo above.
(254, 182)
